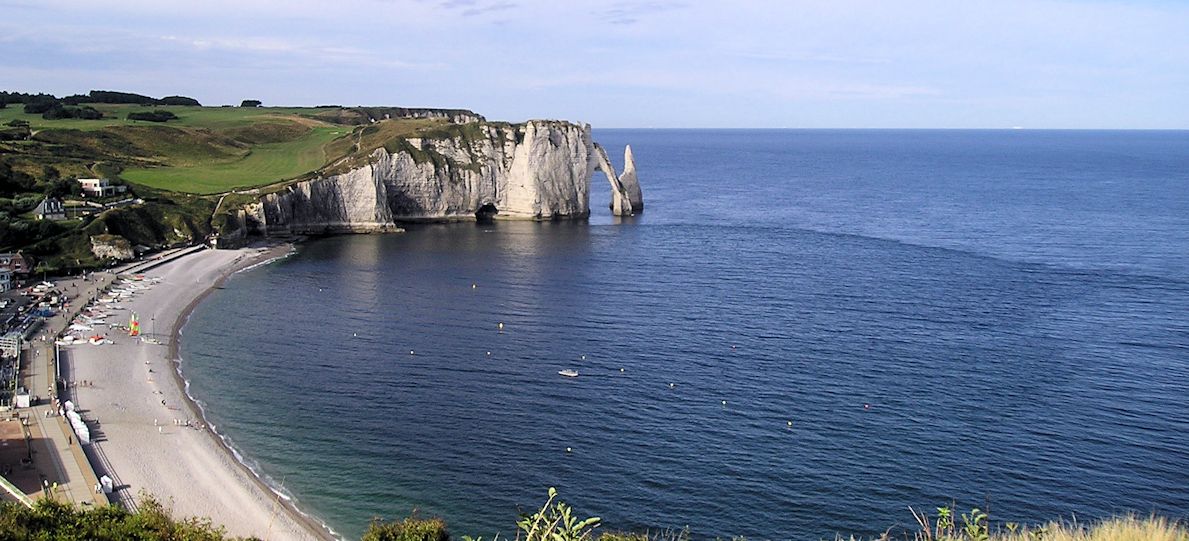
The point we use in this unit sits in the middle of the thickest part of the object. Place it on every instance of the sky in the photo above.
(641, 64)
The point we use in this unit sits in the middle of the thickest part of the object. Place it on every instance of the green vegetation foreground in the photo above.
(555, 521)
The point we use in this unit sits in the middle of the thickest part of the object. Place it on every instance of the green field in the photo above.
(264, 164)
(207, 150)
(196, 117)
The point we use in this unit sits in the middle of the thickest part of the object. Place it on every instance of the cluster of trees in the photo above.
(59, 112)
(111, 96)
(51, 107)
(153, 116)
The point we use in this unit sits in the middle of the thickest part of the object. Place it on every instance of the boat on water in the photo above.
(568, 373)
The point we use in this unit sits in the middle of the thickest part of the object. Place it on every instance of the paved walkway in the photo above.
(58, 459)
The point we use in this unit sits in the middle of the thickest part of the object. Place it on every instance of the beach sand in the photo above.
(135, 394)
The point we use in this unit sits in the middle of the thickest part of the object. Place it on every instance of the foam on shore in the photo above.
(196, 473)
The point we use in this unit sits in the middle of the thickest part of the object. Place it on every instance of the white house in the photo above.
(100, 187)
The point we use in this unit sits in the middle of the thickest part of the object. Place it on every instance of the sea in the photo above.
(805, 334)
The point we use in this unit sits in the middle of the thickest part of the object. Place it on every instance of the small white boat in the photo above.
(568, 373)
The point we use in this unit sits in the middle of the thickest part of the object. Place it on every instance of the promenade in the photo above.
(59, 467)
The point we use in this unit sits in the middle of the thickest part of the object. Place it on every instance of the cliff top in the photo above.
(179, 157)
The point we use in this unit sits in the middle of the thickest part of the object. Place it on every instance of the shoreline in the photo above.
(274, 253)
(192, 470)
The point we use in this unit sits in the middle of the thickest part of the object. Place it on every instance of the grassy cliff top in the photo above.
(210, 150)
(180, 166)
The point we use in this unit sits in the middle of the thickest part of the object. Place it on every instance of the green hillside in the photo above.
(180, 164)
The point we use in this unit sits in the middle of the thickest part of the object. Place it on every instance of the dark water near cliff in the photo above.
(1013, 306)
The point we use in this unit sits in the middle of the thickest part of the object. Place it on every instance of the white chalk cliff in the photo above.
(539, 170)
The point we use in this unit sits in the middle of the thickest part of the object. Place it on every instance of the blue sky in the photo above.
(649, 63)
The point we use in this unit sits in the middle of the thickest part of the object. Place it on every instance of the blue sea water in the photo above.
(996, 318)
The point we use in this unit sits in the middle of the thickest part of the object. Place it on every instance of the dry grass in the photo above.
(1117, 529)
(968, 528)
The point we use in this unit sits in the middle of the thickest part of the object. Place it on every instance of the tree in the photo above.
(58, 112)
(152, 116)
(179, 100)
(39, 104)
(250, 103)
(111, 96)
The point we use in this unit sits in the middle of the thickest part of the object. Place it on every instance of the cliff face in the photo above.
(540, 170)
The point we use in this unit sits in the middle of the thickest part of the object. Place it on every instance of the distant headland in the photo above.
(90, 179)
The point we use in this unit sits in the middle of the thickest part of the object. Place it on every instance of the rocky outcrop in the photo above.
(626, 197)
(629, 182)
(539, 170)
(111, 247)
(621, 204)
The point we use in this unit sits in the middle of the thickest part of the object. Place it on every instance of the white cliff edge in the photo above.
(539, 170)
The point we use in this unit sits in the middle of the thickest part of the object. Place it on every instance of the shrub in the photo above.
(111, 96)
(409, 529)
(153, 116)
(250, 103)
(49, 519)
(76, 99)
(59, 112)
(15, 134)
(39, 104)
(555, 522)
(178, 100)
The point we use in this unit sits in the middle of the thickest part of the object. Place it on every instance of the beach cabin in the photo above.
(50, 208)
(100, 187)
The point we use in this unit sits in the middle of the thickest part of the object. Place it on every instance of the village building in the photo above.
(50, 208)
(100, 187)
(18, 264)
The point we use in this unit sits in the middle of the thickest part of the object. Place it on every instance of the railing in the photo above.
(16, 492)
(121, 496)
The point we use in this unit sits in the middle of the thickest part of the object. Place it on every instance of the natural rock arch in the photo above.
(626, 197)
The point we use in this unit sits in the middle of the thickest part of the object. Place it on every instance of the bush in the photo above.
(153, 116)
(15, 134)
(39, 104)
(49, 519)
(178, 100)
(409, 529)
(250, 103)
(111, 96)
(76, 99)
(58, 112)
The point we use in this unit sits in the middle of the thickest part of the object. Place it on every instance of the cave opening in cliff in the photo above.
(486, 213)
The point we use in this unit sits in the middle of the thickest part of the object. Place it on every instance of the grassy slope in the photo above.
(180, 167)
(211, 150)
(264, 164)
(208, 149)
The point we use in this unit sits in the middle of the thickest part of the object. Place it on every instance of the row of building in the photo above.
(52, 208)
